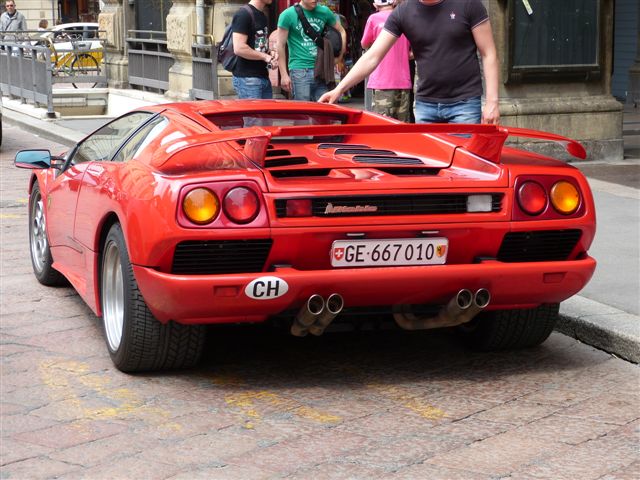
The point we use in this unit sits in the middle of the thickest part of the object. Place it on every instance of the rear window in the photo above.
(231, 121)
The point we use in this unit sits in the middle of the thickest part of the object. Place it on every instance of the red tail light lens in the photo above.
(241, 205)
(532, 198)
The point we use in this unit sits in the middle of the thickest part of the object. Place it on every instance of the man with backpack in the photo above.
(299, 78)
(251, 46)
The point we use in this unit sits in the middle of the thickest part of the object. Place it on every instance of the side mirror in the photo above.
(33, 159)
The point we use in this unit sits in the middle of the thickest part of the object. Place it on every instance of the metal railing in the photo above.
(30, 65)
(149, 60)
(204, 54)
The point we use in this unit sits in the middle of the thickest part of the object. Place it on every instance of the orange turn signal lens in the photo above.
(201, 205)
(565, 197)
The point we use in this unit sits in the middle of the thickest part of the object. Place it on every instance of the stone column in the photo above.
(181, 26)
(634, 72)
(112, 21)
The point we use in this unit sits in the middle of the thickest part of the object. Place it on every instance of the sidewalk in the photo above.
(604, 315)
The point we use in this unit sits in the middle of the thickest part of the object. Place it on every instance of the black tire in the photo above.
(510, 329)
(41, 258)
(145, 344)
(85, 64)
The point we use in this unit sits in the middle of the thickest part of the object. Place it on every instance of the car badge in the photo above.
(331, 208)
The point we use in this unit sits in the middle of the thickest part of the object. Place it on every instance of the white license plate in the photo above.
(406, 251)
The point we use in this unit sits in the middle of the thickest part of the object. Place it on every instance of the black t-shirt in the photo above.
(443, 46)
(257, 34)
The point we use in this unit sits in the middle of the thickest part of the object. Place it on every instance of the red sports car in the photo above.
(176, 216)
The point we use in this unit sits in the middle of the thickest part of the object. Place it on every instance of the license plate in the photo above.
(406, 251)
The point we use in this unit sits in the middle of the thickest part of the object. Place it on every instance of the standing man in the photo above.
(299, 77)
(251, 46)
(445, 36)
(12, 20)
(390, 81)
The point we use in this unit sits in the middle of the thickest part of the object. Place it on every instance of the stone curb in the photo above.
(601, 326)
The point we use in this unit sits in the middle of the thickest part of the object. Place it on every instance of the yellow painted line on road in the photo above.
(66, 376)
(10, 216)
(252, 403)
(409, 401)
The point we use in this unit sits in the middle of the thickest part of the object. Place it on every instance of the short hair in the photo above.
(44, 23)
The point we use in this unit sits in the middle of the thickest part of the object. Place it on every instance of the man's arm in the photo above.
(343, 34)
(283, 38)
(366, 64)
(242, 49)
(483, 37)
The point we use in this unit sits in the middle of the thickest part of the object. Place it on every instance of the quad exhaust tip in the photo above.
(316, 314)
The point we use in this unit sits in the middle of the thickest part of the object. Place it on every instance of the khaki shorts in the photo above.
(393, 103)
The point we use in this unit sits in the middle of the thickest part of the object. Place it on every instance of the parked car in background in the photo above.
(176, 216)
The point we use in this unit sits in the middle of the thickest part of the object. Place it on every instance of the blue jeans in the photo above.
(252, 87)
(464, 111)
(305, 86)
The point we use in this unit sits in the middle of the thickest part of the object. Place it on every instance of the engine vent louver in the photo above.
(324, 146)
(279, 152)
(363, 151)
(386, 205)
(391, 160)
(538, 246)
(220, 257)
(284, 162)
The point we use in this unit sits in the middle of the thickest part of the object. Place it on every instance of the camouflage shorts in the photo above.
(393, 103)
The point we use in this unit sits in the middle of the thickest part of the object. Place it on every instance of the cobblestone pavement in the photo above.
(386, 404)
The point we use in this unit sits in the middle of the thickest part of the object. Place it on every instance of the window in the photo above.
(551, 40)
(139, 140)
(103, 144)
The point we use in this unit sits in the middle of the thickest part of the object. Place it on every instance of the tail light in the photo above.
(201, 206)
(532, 198)
(241, 205)
(565, 197)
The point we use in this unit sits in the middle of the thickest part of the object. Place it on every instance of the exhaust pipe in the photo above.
(461, 309)
(332, 307)
(481, 299)
(307, 315)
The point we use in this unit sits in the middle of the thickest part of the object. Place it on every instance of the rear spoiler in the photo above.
(487, 140)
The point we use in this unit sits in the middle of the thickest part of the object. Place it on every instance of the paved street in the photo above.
(382, 404)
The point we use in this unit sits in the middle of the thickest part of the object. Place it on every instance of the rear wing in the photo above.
(486, 140)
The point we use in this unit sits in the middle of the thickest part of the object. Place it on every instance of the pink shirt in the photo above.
(393, 71)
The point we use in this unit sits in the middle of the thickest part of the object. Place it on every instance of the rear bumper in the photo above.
(222, 298)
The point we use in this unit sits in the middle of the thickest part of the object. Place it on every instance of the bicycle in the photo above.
(75, 62)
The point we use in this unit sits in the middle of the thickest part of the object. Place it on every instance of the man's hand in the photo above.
(285, 82)
(332, 96)
(490, 113)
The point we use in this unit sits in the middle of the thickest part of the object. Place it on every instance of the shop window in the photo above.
(554, 40)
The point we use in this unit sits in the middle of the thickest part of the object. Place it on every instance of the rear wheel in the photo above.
(39, 242)
(510, 329)
(85, 64)
(135, 339)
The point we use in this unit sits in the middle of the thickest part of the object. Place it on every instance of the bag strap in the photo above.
(306, 26)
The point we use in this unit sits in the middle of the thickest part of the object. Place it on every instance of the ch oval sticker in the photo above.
(266, 288)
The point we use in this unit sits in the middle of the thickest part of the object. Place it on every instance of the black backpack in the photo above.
(329, 32)
(226, 57)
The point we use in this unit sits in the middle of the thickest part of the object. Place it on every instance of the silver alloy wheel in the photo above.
(112, 296)
(38, 234)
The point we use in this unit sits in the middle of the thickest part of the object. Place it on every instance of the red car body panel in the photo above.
(144, 195)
